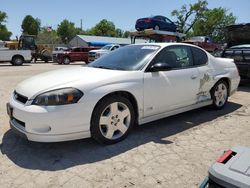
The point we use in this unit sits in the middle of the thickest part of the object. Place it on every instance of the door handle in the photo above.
(194, 77)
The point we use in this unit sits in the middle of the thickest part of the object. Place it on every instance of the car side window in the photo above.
(168, 21)
(77, 50)
(177, 57)
(200, 57)
(84, 50)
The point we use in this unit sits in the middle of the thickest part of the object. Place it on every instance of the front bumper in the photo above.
(49, 124)
(15, 127)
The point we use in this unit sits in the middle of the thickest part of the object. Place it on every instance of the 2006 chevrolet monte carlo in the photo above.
(134, 84)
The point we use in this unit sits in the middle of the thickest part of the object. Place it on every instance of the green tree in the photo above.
(126, 34)
(213, 23)
(119, 33)
(30, 25)
(188, 15)
(4, 33)
(48, 37)
(104, 28)
(66, 30)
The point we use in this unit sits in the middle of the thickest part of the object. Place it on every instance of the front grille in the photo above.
(20, 98)
(92, 54)
(19, 122)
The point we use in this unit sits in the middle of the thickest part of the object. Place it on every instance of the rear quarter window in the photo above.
(199, 56)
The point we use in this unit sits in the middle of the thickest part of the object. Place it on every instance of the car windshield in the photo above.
(107, 47)
(131, 57)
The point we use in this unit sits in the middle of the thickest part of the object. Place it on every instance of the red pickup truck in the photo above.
(73, 54)
(206, 43)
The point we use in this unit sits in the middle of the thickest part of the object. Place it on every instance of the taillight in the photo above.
(147, 20)
(226, 157)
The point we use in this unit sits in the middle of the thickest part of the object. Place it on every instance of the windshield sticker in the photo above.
(149, 47)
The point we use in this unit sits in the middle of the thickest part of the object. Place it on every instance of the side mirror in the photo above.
(160, 67)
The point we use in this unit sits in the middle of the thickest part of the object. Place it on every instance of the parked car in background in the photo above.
(137, 83)
(73, 54)
(58, 50)
(2, 44)
(156, 23)
(237, 34)
(61, 48)
(241, 56)
(231, 170)
(15, 57)
(95, 54)
(206, 43)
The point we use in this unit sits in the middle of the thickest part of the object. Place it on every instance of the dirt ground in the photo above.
(172, 152)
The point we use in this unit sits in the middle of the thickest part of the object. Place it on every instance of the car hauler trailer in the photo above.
(157, 36)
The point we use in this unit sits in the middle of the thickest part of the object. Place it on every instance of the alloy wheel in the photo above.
(115, 120)
(220, 94)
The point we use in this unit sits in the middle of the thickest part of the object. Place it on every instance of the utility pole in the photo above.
(81, 24)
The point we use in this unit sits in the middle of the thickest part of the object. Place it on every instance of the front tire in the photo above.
(219, 94)
(112, 119)
(66, 61)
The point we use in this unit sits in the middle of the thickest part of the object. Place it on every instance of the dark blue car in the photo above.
(156, 23)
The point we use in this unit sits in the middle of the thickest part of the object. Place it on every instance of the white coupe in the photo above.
(134, 84)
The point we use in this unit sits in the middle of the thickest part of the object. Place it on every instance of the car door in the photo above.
(206, 72)
(171, 89)
(75, 54)
(84, 54)
(159, 21)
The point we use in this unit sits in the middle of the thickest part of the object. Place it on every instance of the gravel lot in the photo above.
(172, 152)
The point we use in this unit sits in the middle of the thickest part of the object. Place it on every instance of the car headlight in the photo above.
(58, 97)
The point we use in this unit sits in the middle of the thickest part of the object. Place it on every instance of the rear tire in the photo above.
(219, 94)
(17, 61)
(112, 119)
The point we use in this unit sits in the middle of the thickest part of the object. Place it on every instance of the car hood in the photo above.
(100, 51)
(70, 77)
